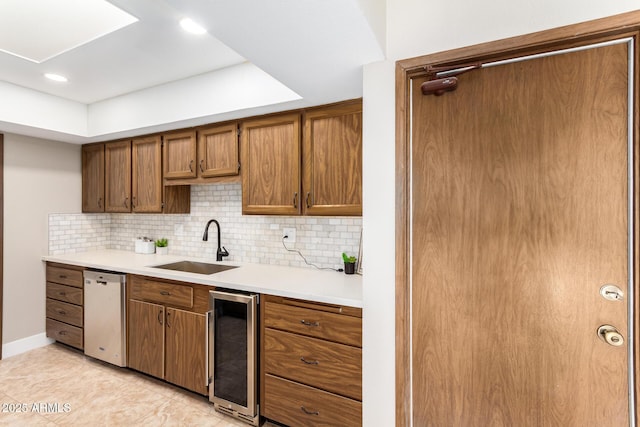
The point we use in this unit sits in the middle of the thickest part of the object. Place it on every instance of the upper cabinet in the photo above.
(146, 175)
(179, 151)
(126, 176)
(332, 160)
(93, 178)
(218, 151)
(270, 150)
(201, 156)
(318, 174)
(117, 176)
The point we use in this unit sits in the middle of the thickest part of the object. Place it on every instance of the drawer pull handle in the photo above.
(306, 411)
(62, 333)
(314, 324)
(62, 312)
(62, 276)
(165, 293)
(62, 293)
(309, 362)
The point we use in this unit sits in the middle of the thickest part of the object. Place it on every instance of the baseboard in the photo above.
(23, 345)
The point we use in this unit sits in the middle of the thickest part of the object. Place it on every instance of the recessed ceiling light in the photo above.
(56, 77)
(189, 26)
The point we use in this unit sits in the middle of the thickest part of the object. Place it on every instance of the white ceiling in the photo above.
(316, 48)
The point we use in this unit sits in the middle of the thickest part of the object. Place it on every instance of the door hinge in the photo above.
(238, 166)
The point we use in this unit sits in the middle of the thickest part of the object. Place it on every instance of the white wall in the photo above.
(414, 28)
(40, 177)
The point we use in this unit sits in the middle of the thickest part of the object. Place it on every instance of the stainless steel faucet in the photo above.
(221, 252)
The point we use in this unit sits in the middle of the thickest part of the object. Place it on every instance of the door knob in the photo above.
(610, 335)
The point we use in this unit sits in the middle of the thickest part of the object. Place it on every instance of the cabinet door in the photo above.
(186, 350)
(271, 165)
(332, 150)
(179, 155)
(146, 337)
(118, 176)
(218, 151)
(93, 178)
(147, 174)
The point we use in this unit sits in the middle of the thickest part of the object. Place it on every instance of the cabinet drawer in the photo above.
(64, 333)
(64, 293)
(323, 364)
(65, 276)
(161, 292)
(64, 312)
(314, 323)
(299, 405)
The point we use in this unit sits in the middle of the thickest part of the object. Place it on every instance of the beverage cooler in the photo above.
(233, 354)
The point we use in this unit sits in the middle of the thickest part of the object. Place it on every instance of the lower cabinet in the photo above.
(168, 342)
(64, 304)
(311, 363)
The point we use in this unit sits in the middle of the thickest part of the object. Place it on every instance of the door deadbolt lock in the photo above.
(611, 293)
(610, 335)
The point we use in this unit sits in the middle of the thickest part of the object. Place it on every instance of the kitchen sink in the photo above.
(195, 267)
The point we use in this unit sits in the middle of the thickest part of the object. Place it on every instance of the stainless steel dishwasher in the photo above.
(105, 317)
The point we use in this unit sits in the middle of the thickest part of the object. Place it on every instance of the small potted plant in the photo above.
(349, 263)
(161, 246)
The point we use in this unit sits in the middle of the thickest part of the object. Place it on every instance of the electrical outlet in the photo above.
(289, 235)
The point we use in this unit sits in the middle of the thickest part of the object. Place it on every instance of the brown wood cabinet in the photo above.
(318, 174)
(332, 160)
(311, 365)
(146, 175)
(167, 330)
(185, 349)
(131, 179)
(201, 156)
(179, 155)
(270, 150)
(146, 337)
(93, 178)
(118, 176)
(64, 306)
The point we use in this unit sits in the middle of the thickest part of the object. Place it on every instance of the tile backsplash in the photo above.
(248, 238)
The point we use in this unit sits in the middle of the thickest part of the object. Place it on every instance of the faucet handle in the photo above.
(223, 251)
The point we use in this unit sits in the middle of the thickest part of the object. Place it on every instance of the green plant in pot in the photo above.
(161, 246)
(349, 263)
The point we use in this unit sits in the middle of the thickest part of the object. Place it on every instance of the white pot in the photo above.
(162, 251)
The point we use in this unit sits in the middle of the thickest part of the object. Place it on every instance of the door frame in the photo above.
(1, 232)
(618, 26)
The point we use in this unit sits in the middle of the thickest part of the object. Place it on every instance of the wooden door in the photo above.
(186, 350)
(179, 155)
(518, 218)
(93, 178)
(147, 175)
(332, 165)
(218, 151)
(271, 165)
(146, 337)
(117, 157)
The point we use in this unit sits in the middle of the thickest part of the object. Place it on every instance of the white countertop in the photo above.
(304, 283)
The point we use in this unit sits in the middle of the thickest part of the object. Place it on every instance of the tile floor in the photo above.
(58, 386)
